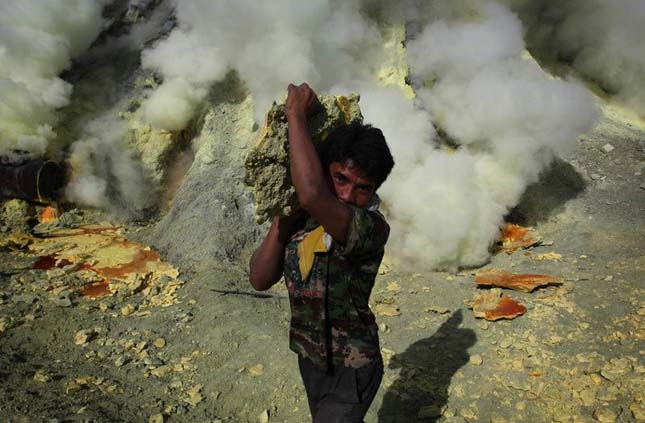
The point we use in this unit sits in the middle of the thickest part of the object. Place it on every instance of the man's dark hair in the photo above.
(362, 144)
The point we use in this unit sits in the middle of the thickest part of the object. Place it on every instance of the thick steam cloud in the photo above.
(507, 115)
(269, 44)
(603, 40)
(38, 40)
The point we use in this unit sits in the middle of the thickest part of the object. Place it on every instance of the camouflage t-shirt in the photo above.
(331, 322)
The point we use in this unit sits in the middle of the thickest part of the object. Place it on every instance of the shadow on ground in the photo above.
(427, 367)
(557, 185)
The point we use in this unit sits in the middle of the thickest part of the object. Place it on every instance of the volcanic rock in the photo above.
(267, 165)
(213, 208)
(493, 306)
(514, 237)
(15, 212)
(518, 282)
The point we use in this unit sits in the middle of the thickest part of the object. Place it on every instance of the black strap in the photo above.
(328, 340)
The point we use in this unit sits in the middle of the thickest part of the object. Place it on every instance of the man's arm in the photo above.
(267, 262)
(307, 173)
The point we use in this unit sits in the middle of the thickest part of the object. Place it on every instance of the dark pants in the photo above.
(344, 397)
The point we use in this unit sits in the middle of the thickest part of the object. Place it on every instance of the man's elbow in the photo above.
(308, 198)
(260, 283)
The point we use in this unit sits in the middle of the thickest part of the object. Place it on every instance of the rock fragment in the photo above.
(84, 336)
(476, 360)
(608, 148)
(42, 376)
(195, 395)
(6, 323)
(436, 309)
(387, 310)
(514, 237)
(156, 418)
(638, 411)
(263, 417)
(493, 306)
(393, 287)
(605, 415)
(550, 256)
(267, 165)
(616, 368)
(257, 370)
(519, 282)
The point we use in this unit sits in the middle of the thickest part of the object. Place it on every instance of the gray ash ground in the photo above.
(575, 356)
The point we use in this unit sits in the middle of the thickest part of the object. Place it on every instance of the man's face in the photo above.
(351, 185)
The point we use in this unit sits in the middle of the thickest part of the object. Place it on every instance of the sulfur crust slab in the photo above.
(267, 164)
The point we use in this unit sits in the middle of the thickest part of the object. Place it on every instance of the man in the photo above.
(330, 261)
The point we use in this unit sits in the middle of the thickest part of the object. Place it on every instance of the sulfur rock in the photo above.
(267, 164)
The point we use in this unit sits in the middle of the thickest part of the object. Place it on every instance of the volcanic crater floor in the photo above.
(89, 338)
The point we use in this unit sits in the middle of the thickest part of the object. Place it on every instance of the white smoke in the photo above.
(104, 173)
(478, 85)
(38, 40)
(269, 44)
(603, 40)
(607, 40)
(507, 114)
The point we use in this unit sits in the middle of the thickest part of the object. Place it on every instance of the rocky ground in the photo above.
(147, 343)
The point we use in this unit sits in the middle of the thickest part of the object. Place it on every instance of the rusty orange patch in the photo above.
(49, 262)
(138, 264)
(514, 237)
(493, 306)
(518, 282)
(95, 290)
(49, 215)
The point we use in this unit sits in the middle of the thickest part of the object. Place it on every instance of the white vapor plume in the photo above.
(269, 44)
(607, 42)
(104, 173)
(509, 117)
(603, 40)
(38, 40)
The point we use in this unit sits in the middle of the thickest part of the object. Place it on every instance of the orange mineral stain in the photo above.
(515, 237)
(138, 264)
(507, 308)
(108, 231)
(520, 282)
(49, 215)
(96, 290)
(493, 306)
(49, 262)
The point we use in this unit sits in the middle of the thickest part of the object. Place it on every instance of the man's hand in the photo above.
(309, 178)
(301, 101)
(287, 225)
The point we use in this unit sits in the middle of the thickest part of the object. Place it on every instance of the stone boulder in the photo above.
(267, 164)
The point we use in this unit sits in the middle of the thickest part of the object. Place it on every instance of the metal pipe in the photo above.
(34, 180)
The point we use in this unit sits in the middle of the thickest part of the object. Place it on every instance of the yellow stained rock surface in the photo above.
(393, 287)
(194, 395)
(257, 370)
(108, 262)
(514, 237)
(550, 256)
(387, 310)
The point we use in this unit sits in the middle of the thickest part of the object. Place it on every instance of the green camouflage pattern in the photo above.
(345, 332)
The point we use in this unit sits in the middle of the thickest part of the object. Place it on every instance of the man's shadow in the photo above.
(427, 366)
